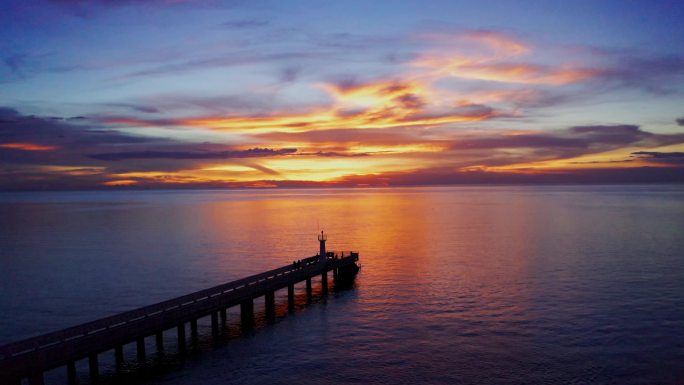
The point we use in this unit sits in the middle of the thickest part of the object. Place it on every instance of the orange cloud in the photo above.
(492, 41)
(381, 104)
(454, 56)
(499, 41)
(489, 70)
(120, 182)
(28, 147)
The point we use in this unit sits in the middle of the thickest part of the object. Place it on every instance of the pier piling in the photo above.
(94, 368)
(193, 329)
(214, 326)
(324, 282)
(270, 304)
(118, 356)
(140, 345)
(290, 297)
(159, 339)
(36, 379)
(71, 373)
(247, 314)
(181, 338)
(224, 318)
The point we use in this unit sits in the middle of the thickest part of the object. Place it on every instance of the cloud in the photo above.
(67, 134)
(422, 119)
(221, 61)
(600, 138)
(342, 137)
(380, 104)
(674, 158)
(245, 24)
(507, 72)
(333, 154)
(136, 107)
(250, 153)
(27, 146)
(15, 63)
(476, 42)
(290, 74)
(117, 3)
(499, 41)
(495, 56)
(654, 74)
(443, 176)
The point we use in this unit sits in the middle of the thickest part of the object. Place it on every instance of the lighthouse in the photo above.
(322, 238)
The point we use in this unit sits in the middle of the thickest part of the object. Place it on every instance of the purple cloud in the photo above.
(151, 154)
(661, 157)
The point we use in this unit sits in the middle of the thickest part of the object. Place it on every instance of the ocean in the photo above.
(458, 285)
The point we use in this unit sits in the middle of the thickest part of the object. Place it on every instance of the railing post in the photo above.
(94, 368)
(71, 373)
(290, 297)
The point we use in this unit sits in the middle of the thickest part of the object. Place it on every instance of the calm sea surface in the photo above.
(459, 285)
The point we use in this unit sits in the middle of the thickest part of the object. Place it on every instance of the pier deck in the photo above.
(31, 357)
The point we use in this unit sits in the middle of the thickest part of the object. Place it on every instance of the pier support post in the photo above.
(94, 368)
(224, 317)
(214, 325)
(247, 314)
(71, 373)
(181, 338)
(324, 282)
(159, 337)
(118, 356)
(335, 274)
(36, 379)
(308, 289)
(290, 297)
(140, 344)
(270, 304)
(193, 330)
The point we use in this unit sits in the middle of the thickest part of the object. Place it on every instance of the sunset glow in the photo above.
(27, 147)
(425, 103)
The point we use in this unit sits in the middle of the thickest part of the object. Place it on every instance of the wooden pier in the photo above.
(30, 358)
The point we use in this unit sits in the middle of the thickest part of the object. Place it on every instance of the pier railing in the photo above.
(89, 338)
(123, 319)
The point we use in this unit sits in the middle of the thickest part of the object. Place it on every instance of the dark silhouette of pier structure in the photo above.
(30, 358)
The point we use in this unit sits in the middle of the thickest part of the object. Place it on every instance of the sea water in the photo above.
(459, 285)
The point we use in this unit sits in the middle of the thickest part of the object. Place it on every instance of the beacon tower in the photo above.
(321, 239)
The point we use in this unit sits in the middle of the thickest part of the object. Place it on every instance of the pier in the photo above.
(30, 358)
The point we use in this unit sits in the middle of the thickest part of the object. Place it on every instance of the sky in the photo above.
(199, 93)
